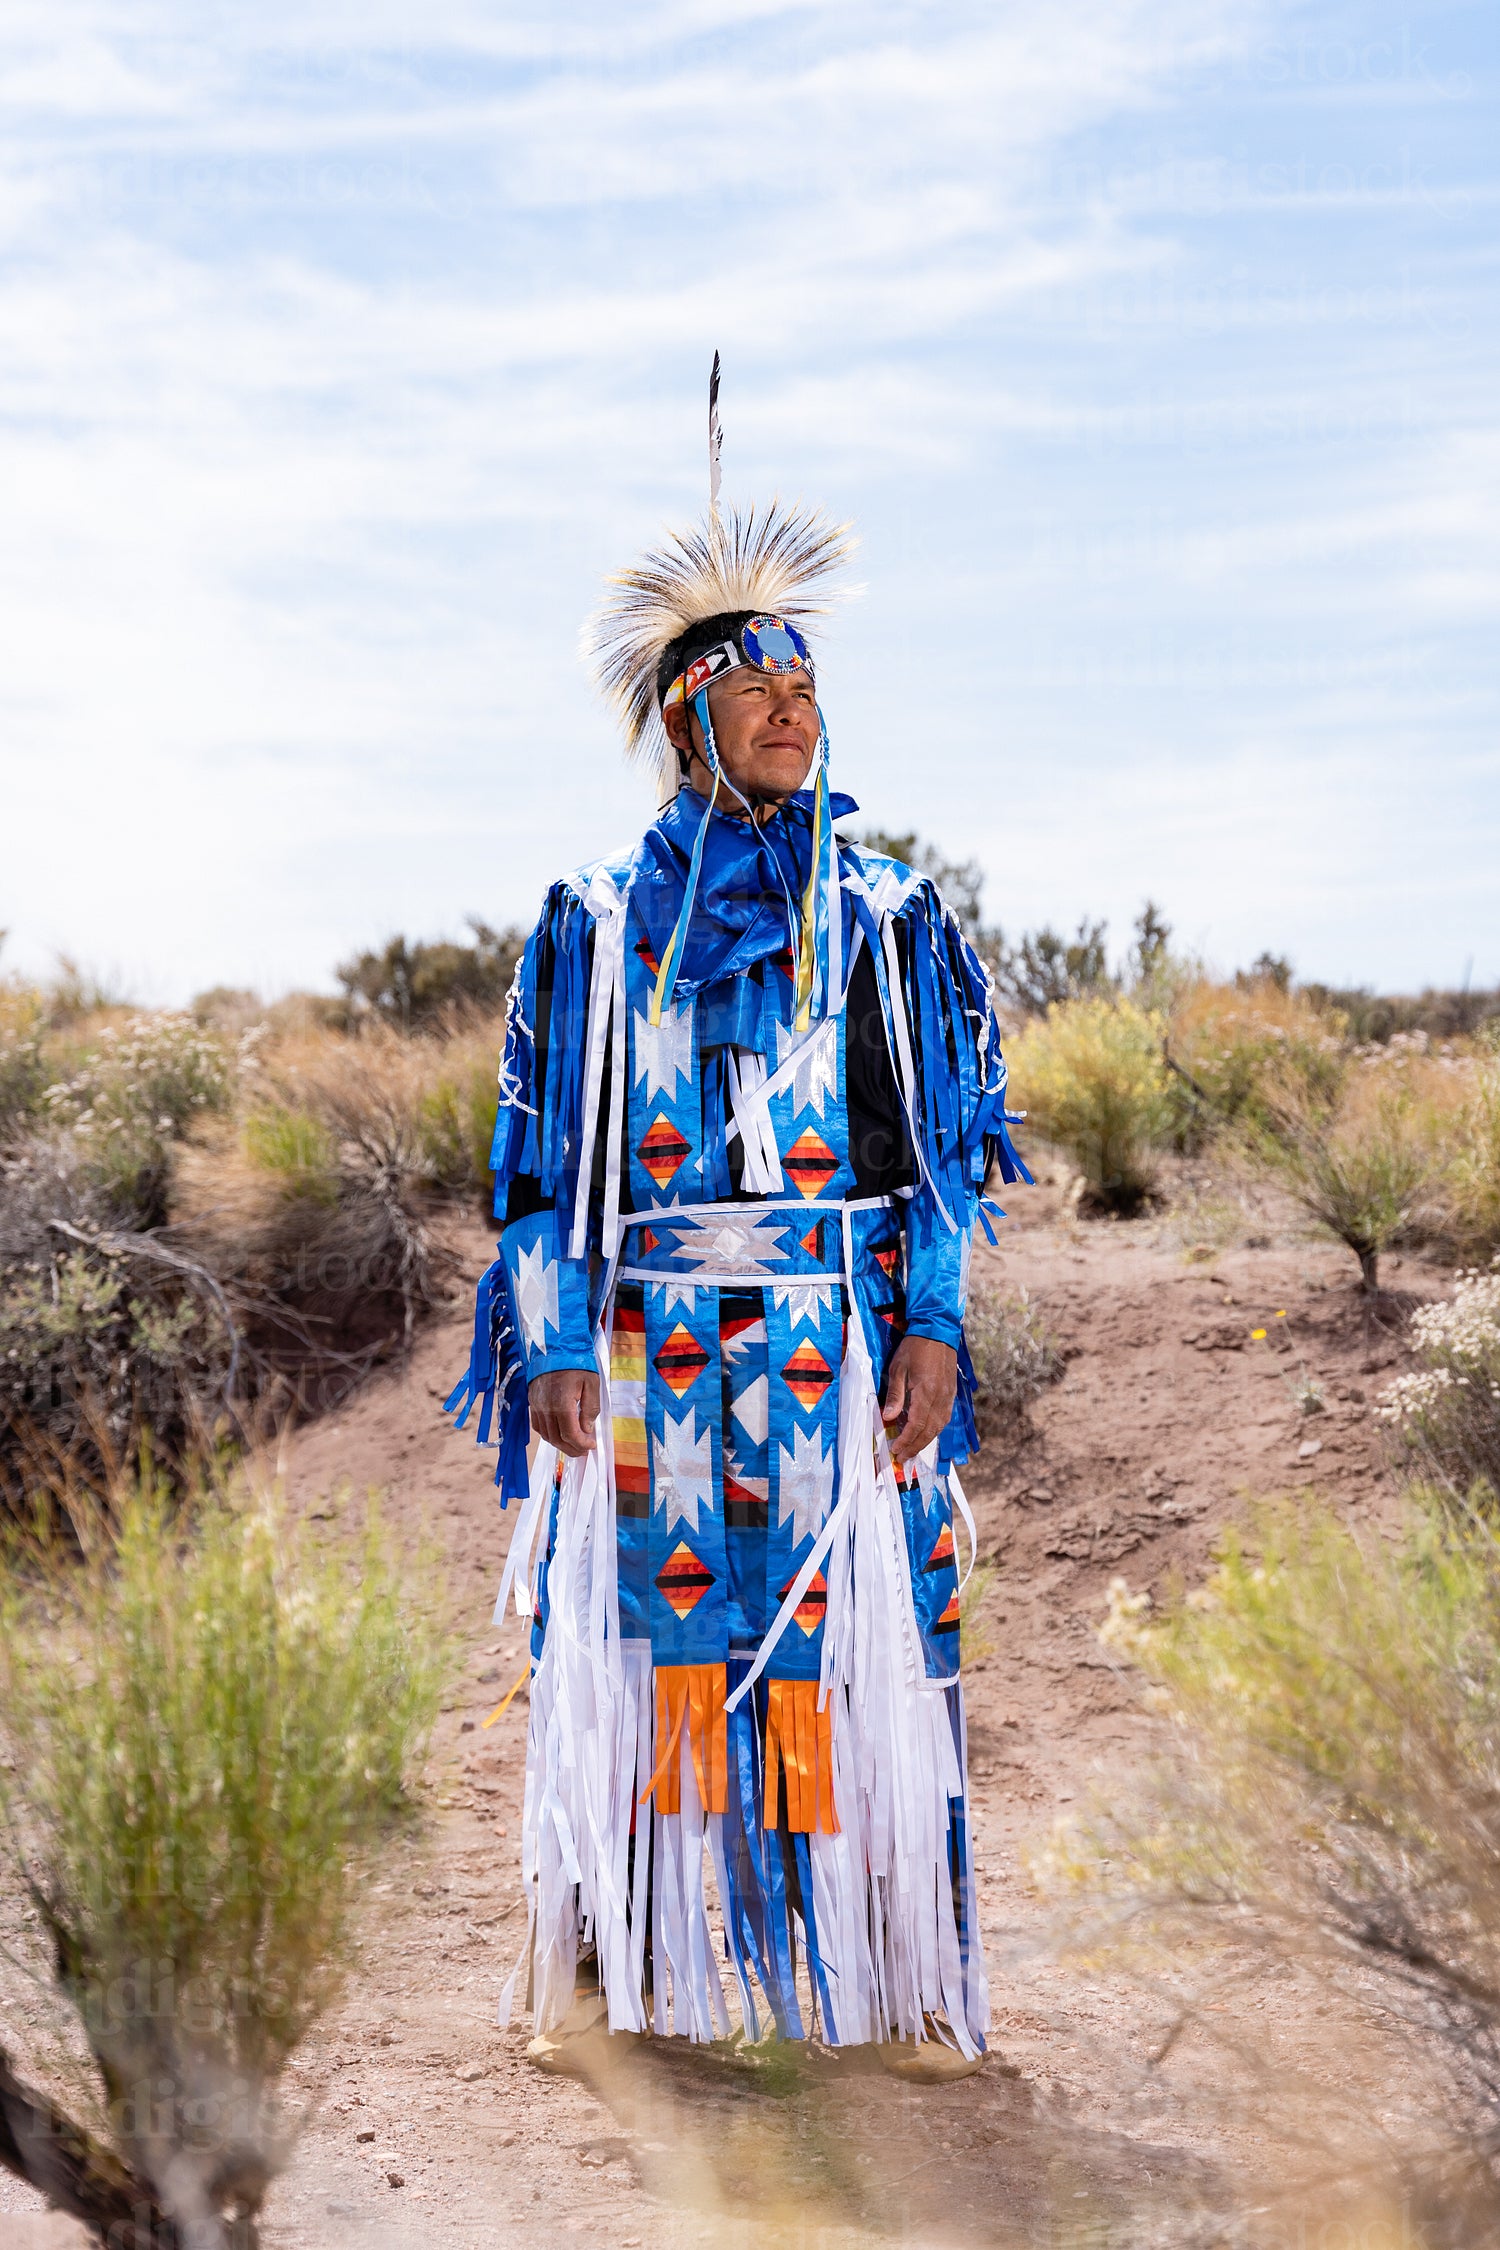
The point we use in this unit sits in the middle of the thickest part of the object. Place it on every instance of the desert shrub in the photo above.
(1014, 1357)
(23, 1077)
(207, 1725)
(104, 1330)
(1448, 1410)
(458, 1111)
(1380, 1017)
(1362, 1159)
(320, 1217)
(414, 987)
(296, 1150)
(1091, 1080)
(1232, 1044)
(131, 1091)
(1330, 1793)
(1470, 1188)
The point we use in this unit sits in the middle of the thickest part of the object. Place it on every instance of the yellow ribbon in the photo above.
(506, 1701)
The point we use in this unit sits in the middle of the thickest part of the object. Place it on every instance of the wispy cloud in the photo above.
(335, 366)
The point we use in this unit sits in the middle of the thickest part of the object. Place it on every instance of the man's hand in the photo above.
(564, 1410)
(919, 1391)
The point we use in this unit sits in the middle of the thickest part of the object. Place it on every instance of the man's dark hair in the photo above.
(704, 632)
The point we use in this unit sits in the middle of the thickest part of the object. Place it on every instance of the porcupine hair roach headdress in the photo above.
(700, 586)
(699, 589)
(723, 595)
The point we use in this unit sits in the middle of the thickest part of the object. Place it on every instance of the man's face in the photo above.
(766, 730)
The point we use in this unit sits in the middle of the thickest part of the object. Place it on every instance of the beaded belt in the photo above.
(742, 1245)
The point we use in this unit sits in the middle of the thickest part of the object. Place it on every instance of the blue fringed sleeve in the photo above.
(531, 1308)
(961, 1128)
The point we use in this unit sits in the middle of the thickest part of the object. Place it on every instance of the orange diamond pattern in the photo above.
(807, 1375)
(809, 1163)
(810, 1611)
(662, 1150)
(680, 1360)
(683, 1580)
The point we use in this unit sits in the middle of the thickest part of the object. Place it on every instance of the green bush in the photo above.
(297, 1149)
(458, 1124)
(1330, 1796)
(1362, 1161)
(208, 1724)
(1091, 1079)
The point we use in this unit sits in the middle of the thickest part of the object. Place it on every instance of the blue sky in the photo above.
(1151, 347)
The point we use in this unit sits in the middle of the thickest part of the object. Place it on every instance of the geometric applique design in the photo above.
(747, 1499)
(784, 962)
(742, 1326)
(649, 1242)
(942, 1553)
(645, 953)
(812, 1241)
(809, 1164)
(662, 1150)
(807, 1375)
(807, 1299)
(805, 1488)
(889, 1258)
(684, 1463)
(810, 1611)
(683, 1580)
(536, 1295)
(815, 1073)
(680, 1360)
(750, 1407)
(664, 1051)
(627, 1385)
(948, 1622)
(627, 1349)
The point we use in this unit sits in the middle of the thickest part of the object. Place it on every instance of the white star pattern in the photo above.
(672, 1292)
(751, 1410)
(817, 1072)
(684, 1466)
(664, 1051)
(805, 1299)
(729, 1245)
(806, 1485)
(536, 1296)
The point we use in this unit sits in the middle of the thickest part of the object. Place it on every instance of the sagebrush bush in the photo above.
(131, 1092)
(1091, 1078)
(1234, 1043)
(207, 1724)
(1330, 1795)
(1470, 1188)
(1448, 1410)
(1363, 1158)
(1014, 1357)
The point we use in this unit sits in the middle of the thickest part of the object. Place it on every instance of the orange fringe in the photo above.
(799, 1743)
(690, 1699)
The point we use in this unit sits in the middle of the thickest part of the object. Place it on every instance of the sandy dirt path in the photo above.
(427, 2125)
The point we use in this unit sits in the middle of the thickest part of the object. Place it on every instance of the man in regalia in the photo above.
(750, 1095)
